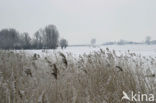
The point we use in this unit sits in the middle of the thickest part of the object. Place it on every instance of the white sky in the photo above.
(80, 20)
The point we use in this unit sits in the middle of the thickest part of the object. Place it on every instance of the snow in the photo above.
(144, 50)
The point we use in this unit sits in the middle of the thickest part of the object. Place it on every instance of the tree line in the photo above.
(46, 38)
(147, 41)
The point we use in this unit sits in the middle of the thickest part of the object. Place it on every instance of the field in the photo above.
(77, 74)
(144, 50)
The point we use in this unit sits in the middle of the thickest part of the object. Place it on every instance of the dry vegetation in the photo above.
(99, 77)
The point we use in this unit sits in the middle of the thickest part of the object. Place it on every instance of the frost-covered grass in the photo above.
(97, 77)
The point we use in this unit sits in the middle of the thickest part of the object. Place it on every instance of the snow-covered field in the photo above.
(144, 50)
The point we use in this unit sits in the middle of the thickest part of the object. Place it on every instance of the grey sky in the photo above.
(80, 20)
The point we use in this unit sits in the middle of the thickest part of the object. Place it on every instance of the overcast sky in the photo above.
(80, 20)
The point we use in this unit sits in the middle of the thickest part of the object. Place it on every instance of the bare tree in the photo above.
(8, 38)
(63, 43)
(93, 42)
(38, 42)
(26, 40)
(51, 36)
(148, 40)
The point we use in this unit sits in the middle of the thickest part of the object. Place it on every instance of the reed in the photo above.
(98, 77)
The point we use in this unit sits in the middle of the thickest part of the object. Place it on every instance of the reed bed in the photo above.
(98, 77)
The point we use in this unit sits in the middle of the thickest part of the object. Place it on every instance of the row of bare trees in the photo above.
(46, 38)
